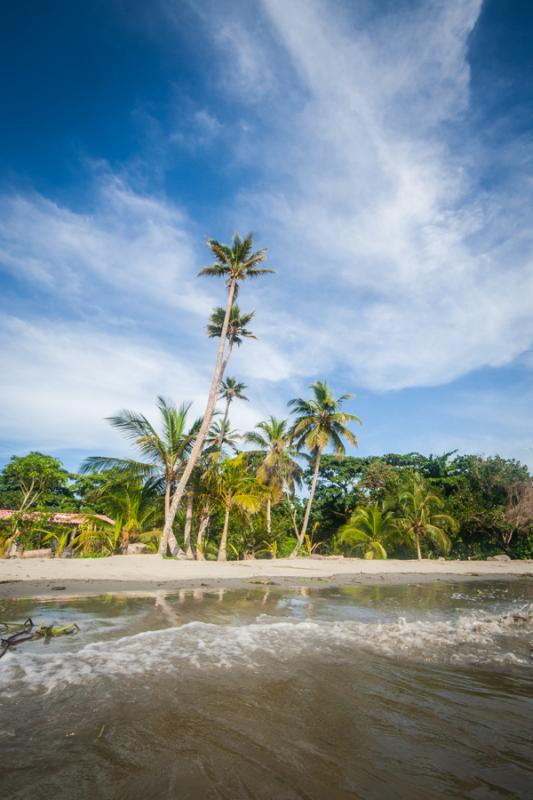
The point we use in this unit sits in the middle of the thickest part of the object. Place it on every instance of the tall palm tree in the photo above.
(320, 423)
(421, 517)
(230, 389)
(278, 470)
(236, 488)
(165, 452)
(235, 264)
(367, 530)
(237, 330)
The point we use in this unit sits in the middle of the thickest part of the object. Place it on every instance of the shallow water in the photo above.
(419, 691)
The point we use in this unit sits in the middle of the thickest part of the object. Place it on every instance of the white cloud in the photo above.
(395, 269)
(413, 274)
(197, 129)
(130, 247)
(60, 381)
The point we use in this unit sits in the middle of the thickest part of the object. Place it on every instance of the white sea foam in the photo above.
(475, 637)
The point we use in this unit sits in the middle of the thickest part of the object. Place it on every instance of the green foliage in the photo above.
(275, 457)
(164, 451)
(489, 498)
(96, 537)
(221, 436)
(33, 481)
(237, 330)
(320, 423)
(58, 539)
(421, 519)
(476, 492)
(236, 486)
(368, 532)
(237, 261)
(309, 545)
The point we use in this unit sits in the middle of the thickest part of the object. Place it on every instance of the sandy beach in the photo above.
(145, 573)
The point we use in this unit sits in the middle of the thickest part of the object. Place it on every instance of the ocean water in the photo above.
(418, 691)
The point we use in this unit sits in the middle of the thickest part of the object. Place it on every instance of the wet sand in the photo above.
(145, 574)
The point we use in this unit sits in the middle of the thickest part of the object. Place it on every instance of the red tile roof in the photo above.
(60, 518)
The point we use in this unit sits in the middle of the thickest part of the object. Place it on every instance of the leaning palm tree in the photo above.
(164, 452)
(236, 488)
(421, 517)
(319, 424)
(230, 389)
(367, 530)
(278, 470)
(236, 332)
(235, 264)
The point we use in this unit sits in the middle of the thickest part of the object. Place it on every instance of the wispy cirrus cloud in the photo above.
(346, 139)
(129, 249)
(372, 189)
(62, 379)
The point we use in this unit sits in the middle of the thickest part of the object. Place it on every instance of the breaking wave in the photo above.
(475, 637)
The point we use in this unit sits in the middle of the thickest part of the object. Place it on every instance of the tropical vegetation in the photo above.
(200, 488)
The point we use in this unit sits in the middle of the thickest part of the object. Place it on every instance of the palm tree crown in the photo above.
(422, 518)
(368, 529)
(237, 330)
(232, 389)
(319, 422)
(278, 466)
(237, 262)
(220, 435)
(164, 451)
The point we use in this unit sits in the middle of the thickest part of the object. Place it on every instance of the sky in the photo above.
(380, 149)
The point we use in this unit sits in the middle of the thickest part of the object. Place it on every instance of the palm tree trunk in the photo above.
(222, 554)
(228, 355)
(292, 513)
(167, 498)
(188, 525)
(204, 428)
(224, 421)
(202, 528)
(307, 508)
(418, 552)
(269, 515)
(172, 547)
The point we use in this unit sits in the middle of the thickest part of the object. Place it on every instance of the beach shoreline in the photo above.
(146, 574)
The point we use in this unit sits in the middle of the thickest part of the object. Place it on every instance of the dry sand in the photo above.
(146, 573)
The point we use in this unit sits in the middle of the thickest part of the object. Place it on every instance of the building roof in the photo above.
(57, 517)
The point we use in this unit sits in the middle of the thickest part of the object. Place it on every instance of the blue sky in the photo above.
(382, 151)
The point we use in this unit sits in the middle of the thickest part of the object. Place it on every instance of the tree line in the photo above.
(196, 488)
(253, 502)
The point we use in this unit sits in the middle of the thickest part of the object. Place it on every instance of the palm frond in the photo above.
(101, 464)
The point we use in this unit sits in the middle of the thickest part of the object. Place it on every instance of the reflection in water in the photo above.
(166, 609)
(373, 692)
